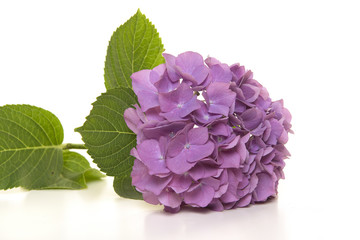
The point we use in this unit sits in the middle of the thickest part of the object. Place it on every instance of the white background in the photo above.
(307, 52)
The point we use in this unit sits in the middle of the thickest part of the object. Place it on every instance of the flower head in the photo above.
(208, 135)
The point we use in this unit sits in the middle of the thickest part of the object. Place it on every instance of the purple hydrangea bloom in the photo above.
(208, 135)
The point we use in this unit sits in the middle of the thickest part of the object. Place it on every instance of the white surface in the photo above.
(306, 52)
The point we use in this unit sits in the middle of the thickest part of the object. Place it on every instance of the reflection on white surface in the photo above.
(254, 222)
(98, 213)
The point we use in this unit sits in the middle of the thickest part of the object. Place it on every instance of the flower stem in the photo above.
(73, 146)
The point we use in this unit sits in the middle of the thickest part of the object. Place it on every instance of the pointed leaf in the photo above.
(106, 134)
(134, 46)
(108, 138)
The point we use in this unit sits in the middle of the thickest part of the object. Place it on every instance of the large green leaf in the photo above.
(134, 46)
(109, 140)
(76, 172)
(106, 134)
(30, 147)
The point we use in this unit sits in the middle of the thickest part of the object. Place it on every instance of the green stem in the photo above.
(73, 146)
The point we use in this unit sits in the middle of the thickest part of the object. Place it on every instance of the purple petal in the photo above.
(198, 152)
(200, 195)
(244, 201)
(144, 89)
(221, 73)
(198, 135)
(252, 118)
(148, 99)
(171, 210)
(219, 98)
(203, 170)
(251, 93)
(132, 119)
(178, 164)
(141, 81)
(152, 156)
(145, 182)
(176, 145)
(211, 61)
(191, 66)
(220, 128)
(151, 198)
(165, 85)
(166, 129)
(180, 183)
(157, 73)
(229, 159)
(170, 67)
(189, 107)
(237, 71)
(203, 116)
(156, 184)
(174, 99)
(170, 199)
(265, 187)
(216, 205)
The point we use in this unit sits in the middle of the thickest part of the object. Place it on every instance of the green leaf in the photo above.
(107, 137)
(134, 46)
(76, 172)
(122, 186)
(30, 147)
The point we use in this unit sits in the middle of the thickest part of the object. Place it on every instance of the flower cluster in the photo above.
(208, 135)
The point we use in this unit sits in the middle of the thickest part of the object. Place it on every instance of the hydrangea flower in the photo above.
(208, 135)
